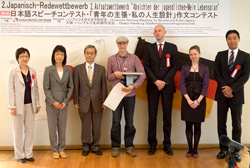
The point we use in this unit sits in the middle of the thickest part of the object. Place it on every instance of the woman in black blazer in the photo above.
(58, 87)
(194, 85)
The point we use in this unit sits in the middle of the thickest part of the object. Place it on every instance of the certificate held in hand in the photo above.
(115, 96)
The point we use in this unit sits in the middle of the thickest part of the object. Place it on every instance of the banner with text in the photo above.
(55, 18)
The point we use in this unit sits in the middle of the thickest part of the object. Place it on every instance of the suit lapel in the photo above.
(155, 50)
(65, 74)
(164, 51)
(31, 73)
(55, 74)
(237, 60)
(19, 74)
(96, 70)
(225, 57)
(84, 73)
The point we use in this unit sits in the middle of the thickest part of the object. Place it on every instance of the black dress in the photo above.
(194, 84)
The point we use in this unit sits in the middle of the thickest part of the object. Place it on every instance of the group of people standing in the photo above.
(89, 88)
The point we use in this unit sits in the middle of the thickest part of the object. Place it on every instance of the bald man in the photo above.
(160, 63)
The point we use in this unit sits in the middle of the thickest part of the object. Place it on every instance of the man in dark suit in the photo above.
(160, 63)
(232, 69)
(90, 91)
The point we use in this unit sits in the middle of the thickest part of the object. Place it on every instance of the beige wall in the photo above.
(41, 48)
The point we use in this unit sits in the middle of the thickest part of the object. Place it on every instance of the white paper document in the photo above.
(115, 96)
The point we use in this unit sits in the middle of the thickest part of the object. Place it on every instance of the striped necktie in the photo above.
(231, 61)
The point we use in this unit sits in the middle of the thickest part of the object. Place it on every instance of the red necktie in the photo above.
(160, 50)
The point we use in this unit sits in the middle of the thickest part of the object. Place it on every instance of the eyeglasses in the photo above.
(89, 53)
(22, 57)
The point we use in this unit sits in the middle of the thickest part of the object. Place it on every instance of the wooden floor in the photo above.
(43, 159)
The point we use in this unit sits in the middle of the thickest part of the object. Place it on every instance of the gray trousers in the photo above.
(57, 120)
(23, 131)
(91, 129)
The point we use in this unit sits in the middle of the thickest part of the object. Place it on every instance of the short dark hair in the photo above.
(20, 51)
(90, 46)
(195, 47)
(61, 49)
(233, 31)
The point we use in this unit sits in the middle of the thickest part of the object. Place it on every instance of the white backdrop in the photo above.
(41, 48)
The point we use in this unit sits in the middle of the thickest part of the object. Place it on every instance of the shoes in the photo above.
(98, 152)
(195, 155)
(22, 160)
(31, 159)
(168, 151)
(85, 153)
(114, 153)
(222, 154)
(55, 155)
(237, 157)
(152, 150)
(189, 154)
(131, 152)
(63, 155)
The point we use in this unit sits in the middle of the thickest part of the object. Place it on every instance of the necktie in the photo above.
(231, 61)
(160, 50)
(90, 74)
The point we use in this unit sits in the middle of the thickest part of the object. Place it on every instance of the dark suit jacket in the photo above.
(204, 73)
(222, 75)
(84, 94)
(156, 68)
(56, 89)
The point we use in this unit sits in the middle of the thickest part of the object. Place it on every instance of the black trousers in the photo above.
(128, 104)
(167, 101)
(236, 112)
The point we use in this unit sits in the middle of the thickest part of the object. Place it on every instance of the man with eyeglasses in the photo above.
(90, 91)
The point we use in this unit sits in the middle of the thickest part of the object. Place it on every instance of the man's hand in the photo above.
(103, 107)
(77, 106)
(119, 75)
(160, 84)
(128, 88)
(227, 91)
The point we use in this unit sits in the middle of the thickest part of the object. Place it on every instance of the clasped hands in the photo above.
(193, 104)
(227, 91)
(160, 84)
(58, 106)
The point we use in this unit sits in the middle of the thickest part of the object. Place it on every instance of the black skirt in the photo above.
(194, 85)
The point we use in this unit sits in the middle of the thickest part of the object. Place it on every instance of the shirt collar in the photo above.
(92, 65)
(235, 51)
(160, 43)
(119, 55)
